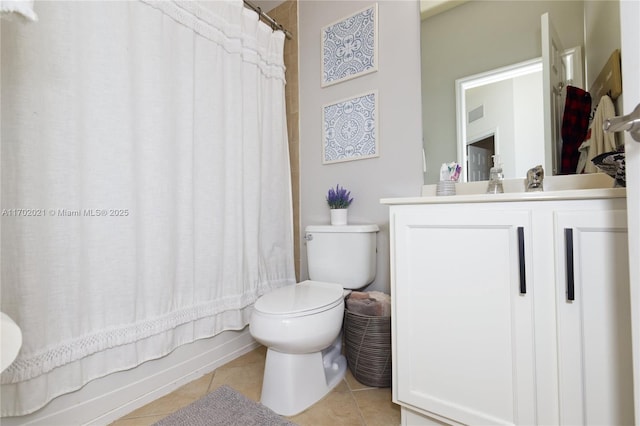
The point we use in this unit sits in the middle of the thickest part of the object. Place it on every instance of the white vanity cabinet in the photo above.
(463, 318)
(483, 332)
(593, 318)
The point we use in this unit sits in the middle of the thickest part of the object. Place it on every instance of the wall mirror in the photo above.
(476, 40)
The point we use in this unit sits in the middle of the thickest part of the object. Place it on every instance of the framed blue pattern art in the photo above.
(350, 47)
(350, 129)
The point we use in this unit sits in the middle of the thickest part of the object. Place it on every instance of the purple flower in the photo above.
(339, 198)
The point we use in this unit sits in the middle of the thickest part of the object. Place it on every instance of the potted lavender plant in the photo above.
(339, 201)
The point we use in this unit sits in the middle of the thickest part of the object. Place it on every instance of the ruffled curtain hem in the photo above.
(177, 332)
(26, 368)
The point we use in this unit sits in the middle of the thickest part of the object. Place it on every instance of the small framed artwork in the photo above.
(350, 129)
(350, 47)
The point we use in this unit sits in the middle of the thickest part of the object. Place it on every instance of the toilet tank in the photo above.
(342, 254)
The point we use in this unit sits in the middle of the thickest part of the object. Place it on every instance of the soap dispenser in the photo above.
(495, 177)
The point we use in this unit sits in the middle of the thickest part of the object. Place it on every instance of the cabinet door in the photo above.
(463, 322)
(594, 334)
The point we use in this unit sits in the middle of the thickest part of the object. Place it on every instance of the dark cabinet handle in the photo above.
(523, 277)
(568, 244)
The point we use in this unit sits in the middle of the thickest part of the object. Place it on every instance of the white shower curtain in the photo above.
(145, 184)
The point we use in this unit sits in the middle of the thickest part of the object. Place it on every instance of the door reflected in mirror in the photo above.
(479, 155)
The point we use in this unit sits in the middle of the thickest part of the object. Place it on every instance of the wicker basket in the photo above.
(367, 341)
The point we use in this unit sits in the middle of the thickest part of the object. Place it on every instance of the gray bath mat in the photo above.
(224, 406)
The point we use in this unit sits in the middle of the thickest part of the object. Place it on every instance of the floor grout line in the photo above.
(362, 419)
(213, 375)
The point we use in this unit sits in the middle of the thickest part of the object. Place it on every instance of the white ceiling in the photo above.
(433, 7)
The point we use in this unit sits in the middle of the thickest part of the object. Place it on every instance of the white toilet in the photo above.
(300, 324)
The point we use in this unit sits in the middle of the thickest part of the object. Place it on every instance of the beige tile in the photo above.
(293, 127)
(244, 375)
(292, 85)
(376, 407)
(285, 14)
(177, 399)
(337, 408)
(257, 355)
(353, 383)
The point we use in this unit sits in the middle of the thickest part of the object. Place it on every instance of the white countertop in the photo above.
(569, 187)
(577, 194)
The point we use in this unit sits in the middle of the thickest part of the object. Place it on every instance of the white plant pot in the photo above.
(339, 216)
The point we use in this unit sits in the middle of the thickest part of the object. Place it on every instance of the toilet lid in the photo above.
(306, 297)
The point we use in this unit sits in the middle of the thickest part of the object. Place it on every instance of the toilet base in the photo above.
(294, 382)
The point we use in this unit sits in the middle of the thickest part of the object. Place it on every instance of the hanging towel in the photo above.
(21, 7)
(575, 123)
(598, 142)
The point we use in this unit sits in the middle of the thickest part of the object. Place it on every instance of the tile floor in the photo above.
(350, 403)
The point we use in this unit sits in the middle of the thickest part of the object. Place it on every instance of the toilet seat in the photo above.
(306, 298)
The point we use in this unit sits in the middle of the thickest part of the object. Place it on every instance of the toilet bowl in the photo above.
(300, 324)
(283, 320)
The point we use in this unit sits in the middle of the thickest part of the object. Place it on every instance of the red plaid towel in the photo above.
(575, 123)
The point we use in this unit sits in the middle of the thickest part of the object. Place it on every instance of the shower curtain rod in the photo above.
(274, 24)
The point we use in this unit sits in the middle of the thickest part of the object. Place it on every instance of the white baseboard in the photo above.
(107, 399)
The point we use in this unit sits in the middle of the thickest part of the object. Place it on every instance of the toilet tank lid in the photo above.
(342, 228)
